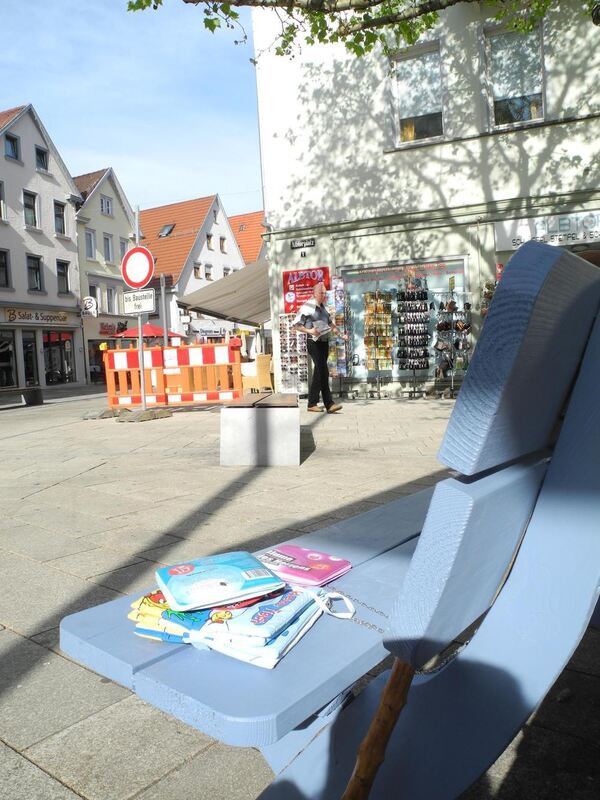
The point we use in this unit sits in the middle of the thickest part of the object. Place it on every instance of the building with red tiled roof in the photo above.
(248, 230)
(193, 245)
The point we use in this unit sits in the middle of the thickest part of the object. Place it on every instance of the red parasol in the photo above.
(149, 331)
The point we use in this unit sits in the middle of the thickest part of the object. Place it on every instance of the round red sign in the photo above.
(137, 267)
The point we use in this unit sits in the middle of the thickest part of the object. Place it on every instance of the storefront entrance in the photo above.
(8, 367)
(59, 361)
(30, 359)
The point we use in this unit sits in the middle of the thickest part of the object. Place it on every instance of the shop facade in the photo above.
(101, 333)
(40, 346)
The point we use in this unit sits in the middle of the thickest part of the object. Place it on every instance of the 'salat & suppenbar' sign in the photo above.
(298, 286)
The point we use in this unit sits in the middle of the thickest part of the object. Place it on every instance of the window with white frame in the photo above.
(12, 147)
(34, 273)
(111, 297)
(30, 209)
(226, 271)
(90, 244)
(106, 205)
(215, 214)
(419, 92)
(2, 206)
(223, 244)
(208, 272)
(4, 269)
(209, 241)
(94, 291)
(123, 247)
(62, 275)
(59, 218)
(41, 158)
(197, 271)
(109, 253)
(515, 76)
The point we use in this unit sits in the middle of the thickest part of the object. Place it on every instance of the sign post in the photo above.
(137, 269)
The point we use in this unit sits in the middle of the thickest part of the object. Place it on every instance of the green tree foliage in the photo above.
(362, 25)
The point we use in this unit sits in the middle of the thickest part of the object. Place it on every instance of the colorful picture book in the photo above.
(303, 566)
(216, 580)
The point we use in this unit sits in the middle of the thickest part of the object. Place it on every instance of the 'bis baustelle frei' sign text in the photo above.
(33, 316)
(582, 227)
(140, 302)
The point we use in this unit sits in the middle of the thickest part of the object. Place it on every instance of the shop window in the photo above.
(12, 147)
(34, 274)
(123, 247)
(515, 76)
(8, 370)
(90, 244)
(59, 218)
(419, 86)
(109, 253)
(223, 244)
(29, 209)
(62, 274)
(106, 205)
(4, 270)
(209, 241)
(208, 272)
(111, 300)
(30, 359)
(41, 158)
(59, 360)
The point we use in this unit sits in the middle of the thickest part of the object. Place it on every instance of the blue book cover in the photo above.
(215, 580)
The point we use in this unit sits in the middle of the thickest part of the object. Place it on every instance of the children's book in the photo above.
(258, 624)
(272, 653)
(216, 580)
(303, 566)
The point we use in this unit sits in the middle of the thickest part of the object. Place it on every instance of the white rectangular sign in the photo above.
(139, 302)
(582, 227)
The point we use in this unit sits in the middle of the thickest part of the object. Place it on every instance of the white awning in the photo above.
(241, 297)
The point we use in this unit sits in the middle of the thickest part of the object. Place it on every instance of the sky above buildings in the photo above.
(170, 106)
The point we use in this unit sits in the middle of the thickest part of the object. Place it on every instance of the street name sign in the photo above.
(137, 267)
(140, 302)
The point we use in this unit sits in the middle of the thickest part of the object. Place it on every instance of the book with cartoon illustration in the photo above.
(216, 580)
(303, 566)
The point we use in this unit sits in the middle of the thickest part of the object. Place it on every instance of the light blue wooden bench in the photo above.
(508, 551)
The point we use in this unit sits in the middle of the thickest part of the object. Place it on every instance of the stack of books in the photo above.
(232, 603)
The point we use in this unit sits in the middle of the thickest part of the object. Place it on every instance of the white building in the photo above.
(436, 165)
(106, 230)
(193, 245)
(41, 338)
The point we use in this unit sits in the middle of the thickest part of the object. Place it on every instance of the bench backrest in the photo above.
(508, 410)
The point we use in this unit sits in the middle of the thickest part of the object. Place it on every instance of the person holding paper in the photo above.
(315, 322)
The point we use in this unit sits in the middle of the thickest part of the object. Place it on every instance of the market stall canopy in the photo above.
(149, 331)
(241, 297)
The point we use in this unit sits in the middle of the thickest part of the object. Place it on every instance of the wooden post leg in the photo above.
(371, 752)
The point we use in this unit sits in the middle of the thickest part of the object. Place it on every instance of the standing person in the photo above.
(315, 322)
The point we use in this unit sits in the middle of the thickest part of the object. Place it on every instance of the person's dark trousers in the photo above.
(319, 351)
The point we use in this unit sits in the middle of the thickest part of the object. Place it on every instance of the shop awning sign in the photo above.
(298, 286)
(141, 302)
(559, 230)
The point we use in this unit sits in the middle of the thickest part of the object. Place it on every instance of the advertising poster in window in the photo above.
(298, 286)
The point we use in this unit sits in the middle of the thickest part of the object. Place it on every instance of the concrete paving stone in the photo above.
(94, 562)
(70, 521)
(43, 693)
(220, 772)
(130, 579)
(543, 765)
(49, 639)
(586, 658)
(49, 595)
(39, 544)
(135, 540)
(119, 751)
(184, 550)
(572, 706)
(22, 780)
(96, 503)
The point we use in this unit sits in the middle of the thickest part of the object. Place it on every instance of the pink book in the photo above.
(303, 566)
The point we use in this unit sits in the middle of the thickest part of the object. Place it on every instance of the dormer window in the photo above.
(106, 206)
(166, 230)
(242, 227)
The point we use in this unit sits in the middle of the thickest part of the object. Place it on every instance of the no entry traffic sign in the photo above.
(137, 267)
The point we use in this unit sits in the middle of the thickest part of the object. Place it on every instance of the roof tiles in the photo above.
(171, 252)
(248, 230)
(86, 183)
(7, 116)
